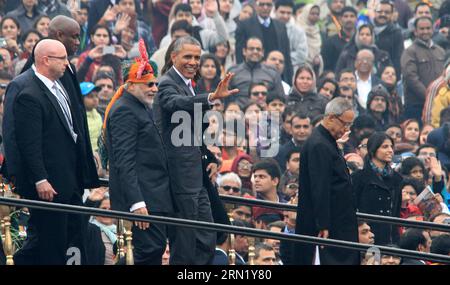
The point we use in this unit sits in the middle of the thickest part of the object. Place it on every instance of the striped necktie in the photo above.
(64, 104)
(190, 88)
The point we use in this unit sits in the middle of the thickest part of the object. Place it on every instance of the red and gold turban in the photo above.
(138, 71)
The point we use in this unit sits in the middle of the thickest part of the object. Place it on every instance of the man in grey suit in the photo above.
(139, 171)
(176, 93)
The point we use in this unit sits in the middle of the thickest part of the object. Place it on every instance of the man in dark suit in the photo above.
(176, 93)
(47, 139)
(224, 247)
(327, 209)
(272, 33)
(139, 172)
(67, 31)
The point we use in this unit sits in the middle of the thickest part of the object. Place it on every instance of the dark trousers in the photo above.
(2, 254)
(150, 244)
(192, 246)
(54, 238)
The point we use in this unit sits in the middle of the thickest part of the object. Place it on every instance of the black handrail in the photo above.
(220, 227)
(361, 216)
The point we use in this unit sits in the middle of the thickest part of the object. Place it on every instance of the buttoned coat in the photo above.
(379, 196)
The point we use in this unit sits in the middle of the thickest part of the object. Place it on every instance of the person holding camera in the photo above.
(100, 45)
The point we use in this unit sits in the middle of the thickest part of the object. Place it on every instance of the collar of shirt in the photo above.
(70, 67)
(288, 230)
(279, 200)
(221, 250)
(186, 80)
(428, 45)
(47, 82)
(359, 79)
(262, 21)
(293, 141)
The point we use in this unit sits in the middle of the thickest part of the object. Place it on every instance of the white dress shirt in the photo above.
(187, 81)
(364, 88)
(264, 21)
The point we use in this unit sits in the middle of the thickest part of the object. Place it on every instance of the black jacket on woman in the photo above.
(378, 196)
(311, 103)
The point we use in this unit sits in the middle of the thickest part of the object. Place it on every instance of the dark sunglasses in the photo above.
(265, 4)
(151, 84)
(228, 188)
(256, 93)
(101, 86)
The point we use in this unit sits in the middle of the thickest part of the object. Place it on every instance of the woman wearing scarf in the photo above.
(308, 21)
(395, 105)
(242, 166)
(102, 231)
(303, 95)
(377, 187)
(363, 39)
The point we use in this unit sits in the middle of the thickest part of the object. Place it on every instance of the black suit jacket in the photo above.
(12, 162)
(252, 28)
(220, 258)
(138, 162)
(45, 144)
(87, 163)
(185, 157)
(72, 86)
